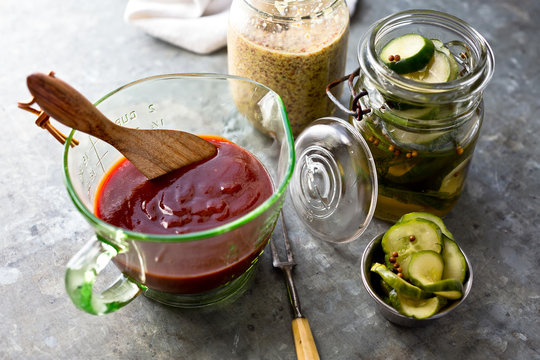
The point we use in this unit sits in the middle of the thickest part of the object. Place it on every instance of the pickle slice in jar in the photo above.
(454, 67)
(407, 53)
(407, 138)
(453, 182)
(442, 67)
(419, 139)
(396, 119)
(414, 138)
(411, 200)
(403, 173)
(399, 169)
(421, 113)
(402, 116)
(438, 70)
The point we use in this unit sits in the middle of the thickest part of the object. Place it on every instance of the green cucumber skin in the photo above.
(455, 264)
(385, 288)
(409, 64)
(446, 285)
(398, 283)
(450, 295)
(428, 216)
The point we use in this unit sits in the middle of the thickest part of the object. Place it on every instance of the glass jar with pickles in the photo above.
(423, 73)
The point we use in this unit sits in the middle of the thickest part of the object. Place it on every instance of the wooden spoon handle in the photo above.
(68, 106)
(303, 340)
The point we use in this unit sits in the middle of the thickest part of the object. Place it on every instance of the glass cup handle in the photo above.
(81, 274)
(356, 110)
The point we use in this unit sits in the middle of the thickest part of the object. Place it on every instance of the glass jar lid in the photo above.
(334, 184)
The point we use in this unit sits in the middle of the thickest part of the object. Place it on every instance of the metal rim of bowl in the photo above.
(388, 311)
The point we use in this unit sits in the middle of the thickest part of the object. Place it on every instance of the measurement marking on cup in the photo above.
(124, 119)
(99, 158)
(157, 124)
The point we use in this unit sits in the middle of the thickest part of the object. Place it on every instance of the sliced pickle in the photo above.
(398, 283)
(407, 53)
(416, 308)
(425, 268)
(454, 181)
(455, 266)
(409, 237)
(454, 66)
(438, 70)
(433, 218)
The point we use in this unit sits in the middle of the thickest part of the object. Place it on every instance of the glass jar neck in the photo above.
(467, 88)
(293, 11)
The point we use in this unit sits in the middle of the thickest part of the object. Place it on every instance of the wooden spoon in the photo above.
(154, 152)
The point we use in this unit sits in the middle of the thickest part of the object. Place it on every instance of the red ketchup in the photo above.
(195, 198)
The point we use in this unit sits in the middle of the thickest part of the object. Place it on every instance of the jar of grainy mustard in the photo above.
(294, 47)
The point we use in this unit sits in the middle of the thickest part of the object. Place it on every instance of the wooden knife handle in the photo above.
(62, 102)
(303, 340)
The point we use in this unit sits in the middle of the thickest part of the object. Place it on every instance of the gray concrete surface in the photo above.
(495, 221)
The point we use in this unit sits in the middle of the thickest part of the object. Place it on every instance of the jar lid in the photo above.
(334, 184)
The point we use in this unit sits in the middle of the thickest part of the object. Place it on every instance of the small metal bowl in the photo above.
(374, 252)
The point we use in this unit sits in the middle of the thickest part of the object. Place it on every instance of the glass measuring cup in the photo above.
(210, 266)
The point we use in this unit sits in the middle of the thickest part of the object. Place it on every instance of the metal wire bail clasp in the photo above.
(356, 109)
(43, 120)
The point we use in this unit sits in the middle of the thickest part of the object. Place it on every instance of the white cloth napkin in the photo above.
(196, 25)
